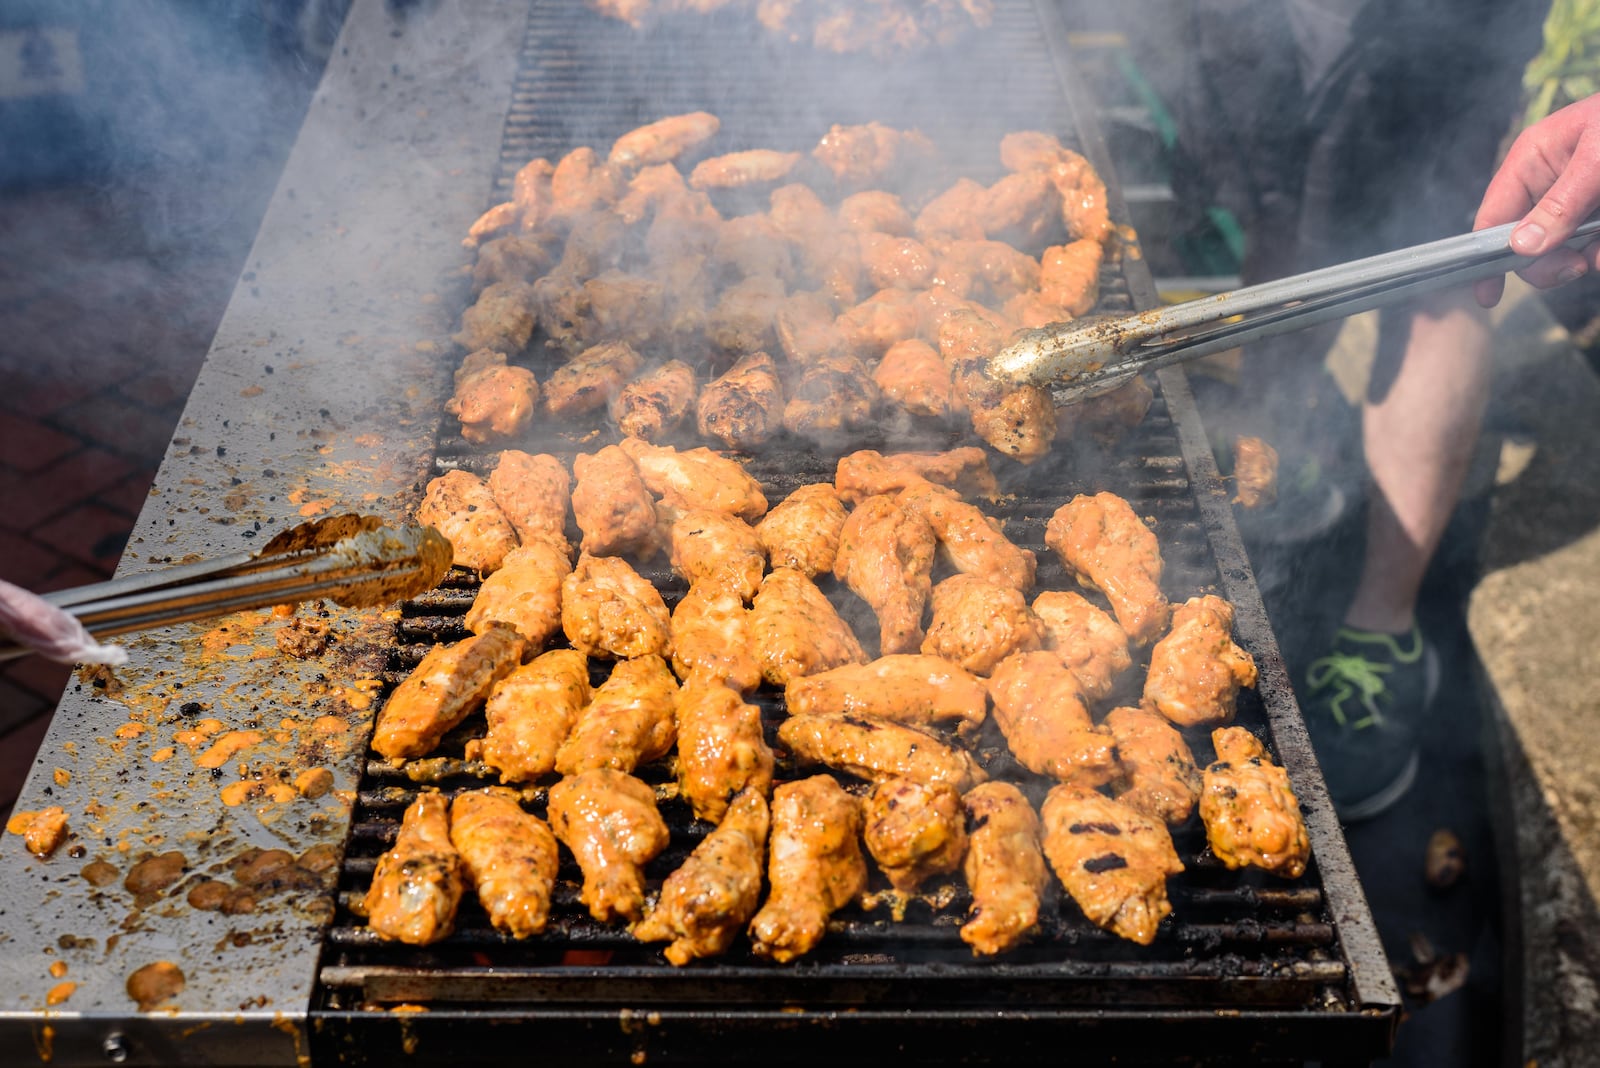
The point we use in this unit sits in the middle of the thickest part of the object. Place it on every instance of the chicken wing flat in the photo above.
(1040, 711)
(971, 542)
(1255, 472)
(989, 270)
(1196, 671)
(756, 166)
(1088, 641)
(1159, 777)
(1019, 421)
(714, 545)
(803, 530)
(1004, 866)
(654, 186)
(1112, 860)
(913, 376)
(796, 631)
(664, 140)
(417, 884)
(800, 217)
(657, 403)
(977, 624)
(510, 857)
(530, 712)
(609, 821)
(897, 262)
(514, 258)
(494, 402)
(915, 832)
(501, 320)
(741, 321)
(706, 902)
(721, 749)
(870, 155)
(886, 556)
(1069, 276)
(583, 183)
(628, 722)
(832, 398)
(743, 407)
(612, 506)
(711, 636)
(1106, 547)
(907, 688)
(461, 505)
(878, 749)
(444, 688)
(870, 328)
(589, 381)
(875, 211)
(524, 594)
(751, 247)
(608, 610)
(533, 492)
(1249, 809)
(866, 473)
(697, 478)
(814, 864)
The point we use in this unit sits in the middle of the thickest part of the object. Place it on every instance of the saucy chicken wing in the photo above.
(743, 407)
(755, 166)
(417, 884)
(886, 556)
(1196, 671)
(1019, 421)
(530, 713)
(977, 624)
(897, 262)
(608, 610)
(721, 749)
(1112, 860)
(878, 749)
(590, 380)
(533, 492)
(907, 688)
(656, 403)
(664, 140)
(501, 320)
(915, 832)
(446, 686)
(510, 858)
(1004, 866)
(865, 473)
(814, 864)
(461, 505)
(796, 631)
(524, 594)
(969, 541)
(1069, 276)
(1255, 472)
(869, 155)
(714, 545)
(494, 401)
(1106, 547)
(832, 398)
(913, 376)
(697, 478)
(609, 821)
(1251, 814)
(803, 530)
(875, 210)
(1159, 777)
(629, 720)
(1088, 641)
(711, 636)
(1040, 711)
(869, 328)
(612, 505)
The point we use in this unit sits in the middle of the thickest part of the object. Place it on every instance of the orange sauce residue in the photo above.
(60, 992)
(61, 776)
(329, 725)
(358, 695)
(228, 746)
(238, 630)
(163, 755)
(237, 793)
(130, 730)
(197, 735)
(58, 969)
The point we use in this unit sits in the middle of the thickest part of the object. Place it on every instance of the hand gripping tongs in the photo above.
(1090, 356)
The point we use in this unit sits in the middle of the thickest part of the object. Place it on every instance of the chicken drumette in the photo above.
(1249, 809)
(1106, 547)
(886, 557)
(977, 624)
(721, 748)
(608, 610)
(814, 864)
(609, 821)
(417, 885)
(1039, 708)
(1159, 777)
(1196, 671)
(914, 831)
(1004, 866)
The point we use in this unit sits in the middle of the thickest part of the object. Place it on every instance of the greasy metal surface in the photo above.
(318, 396)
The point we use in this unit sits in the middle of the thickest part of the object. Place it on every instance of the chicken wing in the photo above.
(608, 610)
(1023, 209)
(1040, 710)
(870, 155)
(1106, 547)
(1255, 472)
(897, 262)
(524, 594)
(834, 396)
(1004, 866)
(1019, 421)
(865, 473)
(589, 381)
(988, 270)
(875, 211)
(1109, 416)
(906, 688)
(721, 748)
(462, 506)
(446, 686)
(628, 722)
(1088, 641)
(417, 885)
(915, 832)
(582, 183)
(1112, 860)
(494, 402)
(533, 492)
(751, 251)
(803, 530)
(878, 749)
(969, 541)
(755, 166)
(530, 713)
(697, 478)
(612, 506)
(796, 631)
(1159, 777)
(654, 186)
(886, 557)
(977, 624)
(664, 140)
(1249, 809)
(807, 329)
(869, 328)
(510, 857)
(1196, 671)
(514, 258)
(706, 902)
(814, 864)
(718, 546)
(743, 407)
(711, 636)
(914, 376)
(501, 320)
(609, 821)
(1083, 198)
(655, 404)
(1069, 276)
(954, 215)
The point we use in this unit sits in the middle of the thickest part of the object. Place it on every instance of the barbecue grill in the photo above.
(325, 385)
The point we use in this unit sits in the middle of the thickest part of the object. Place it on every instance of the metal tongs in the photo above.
(354, 560)
(1090, 356)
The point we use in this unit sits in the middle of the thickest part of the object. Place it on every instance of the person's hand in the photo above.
(1551, 181)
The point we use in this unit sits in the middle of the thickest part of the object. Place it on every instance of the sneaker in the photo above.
(1364, 706)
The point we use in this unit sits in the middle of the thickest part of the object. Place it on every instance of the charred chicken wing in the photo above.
(591, 379)
(1196, 671)
(609, 821)
(1004, 867)
(915, 832)
(743, 407)
(1112, 860)
(444, 688)
(510, 857)
(655, 404)
(608, 610)
(814, 864)
(417, 885)
(878, 749)
(1159, 777)
(1249, 809)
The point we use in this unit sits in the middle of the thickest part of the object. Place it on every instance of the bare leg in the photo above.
(1419, 428)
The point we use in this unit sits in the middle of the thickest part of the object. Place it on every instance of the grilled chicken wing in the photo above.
(878, 749)
(971, 542)
(1023, 209)
(706, 903)
(612, 506)
(756, 166)
(718, 546)
(1159, 777)
(514, 258)
(1083, 198)
(589, 381)
(989, 270)
(803, 220)
(654, 186)
(510, 857)
(834, 396)
(1108, 417)
(796, 631)
(808, 330)
(803, 530)
(1112, 860)
(1040, 711)
(664, 140)
(743, 407)
(721, 749)
(906, 688)
(897, 262)
(915, 832)
(582, 183)
(954, 215)
(1018, 421)
(530, 713)
(524, 594)
(750, 249)
(494, 401)
(697, 478)
(814, 864)
(417, 885)
(1196, 670)
(742, 319)
(609, 821)
(533, 492)
(608, 610)
(501, 320)
(1069, 276)
(915, 377)
(1255, 472)
(444, 688)
(655, 404)
(875, 211)
(977, 624)
(1004, 866)
(1106, 547)
(865, 473)
(886, 555)
(461, 505)
(628, 722)
(1249, 809)
(869, 328)
(711, 636)
(1088, 641)
(870, 155)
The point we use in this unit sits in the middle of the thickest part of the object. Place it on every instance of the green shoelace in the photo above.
(1353, 675)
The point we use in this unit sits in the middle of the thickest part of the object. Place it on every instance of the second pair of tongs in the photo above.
(1089, 356)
